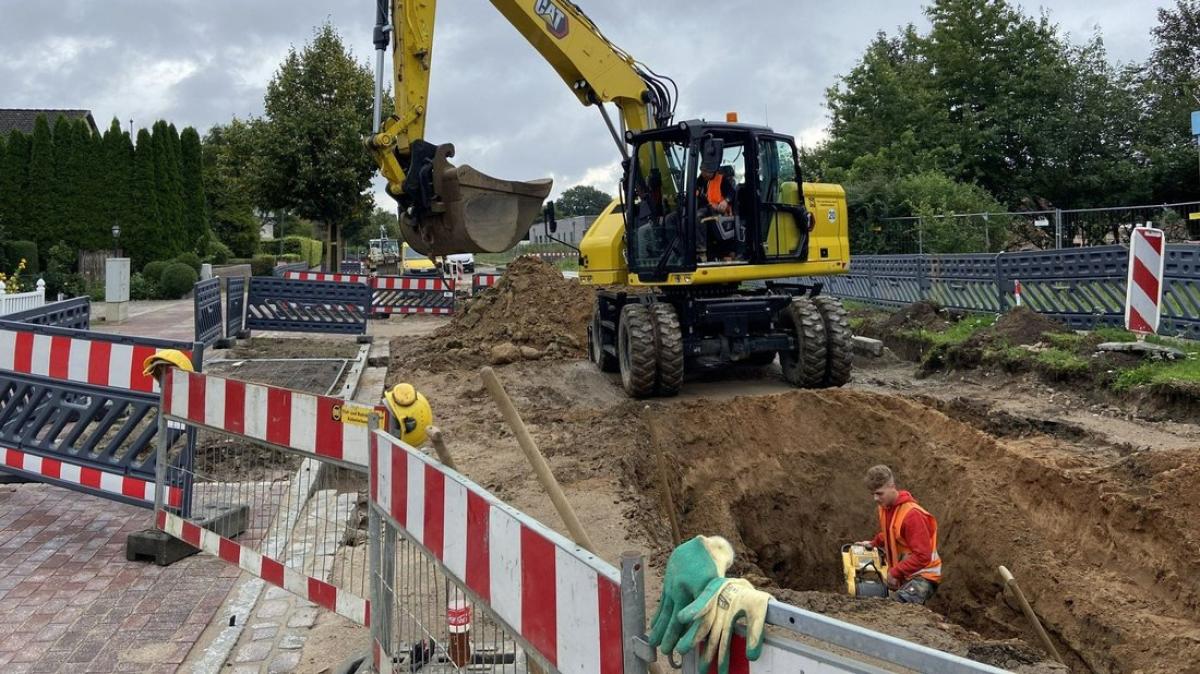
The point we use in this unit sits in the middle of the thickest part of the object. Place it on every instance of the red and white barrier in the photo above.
(1017, 292)
(325, 427)
(317, 591)
(77, 359)
(1144, 286)
(484, 280)
(421, 283)
(92, 478)
(321, 276)
(562, 600)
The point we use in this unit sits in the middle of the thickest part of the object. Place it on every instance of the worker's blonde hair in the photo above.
(878, 477)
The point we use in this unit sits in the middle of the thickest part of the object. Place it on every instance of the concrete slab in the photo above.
(164, 319)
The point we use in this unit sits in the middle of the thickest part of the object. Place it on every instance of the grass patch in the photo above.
(1110, 334)
(954, 335)
(1061, 364)
(1009, 358)
(1067, 341)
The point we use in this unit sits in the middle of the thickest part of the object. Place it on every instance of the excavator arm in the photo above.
(447, 209)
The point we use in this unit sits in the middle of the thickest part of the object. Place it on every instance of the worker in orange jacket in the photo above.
(908, 537)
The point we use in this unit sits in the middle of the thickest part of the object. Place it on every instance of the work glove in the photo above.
(690, 568)
(712, 617)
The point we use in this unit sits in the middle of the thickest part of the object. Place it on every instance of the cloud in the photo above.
(504, 107)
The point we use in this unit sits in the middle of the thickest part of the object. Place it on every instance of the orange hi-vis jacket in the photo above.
(714, 189)
(898, 548)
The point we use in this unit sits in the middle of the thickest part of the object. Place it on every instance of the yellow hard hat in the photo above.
(172, 357)
(411, 411)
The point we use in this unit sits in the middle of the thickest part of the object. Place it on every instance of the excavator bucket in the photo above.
(472, 211)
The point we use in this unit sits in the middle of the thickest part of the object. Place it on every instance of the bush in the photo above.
(25, 250)
(308, 250)
(190, 259)
(177, 280)
(289, 257)
(143, 288)
(218, 253)
(262, 265)
(153, 271)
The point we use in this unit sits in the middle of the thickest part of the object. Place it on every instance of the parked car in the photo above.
(467, 260)
(416, 264)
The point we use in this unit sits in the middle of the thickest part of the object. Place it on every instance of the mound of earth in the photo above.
(530, 314)
(1101, 547)
(918, 316)
(1020, 326)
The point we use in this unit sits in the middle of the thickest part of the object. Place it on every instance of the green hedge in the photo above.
(309, 250)
(153, 271)
(177, 279)
(262, 265)
(289, 257)
(190, 259)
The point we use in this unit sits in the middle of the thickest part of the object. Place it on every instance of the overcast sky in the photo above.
(200, 63)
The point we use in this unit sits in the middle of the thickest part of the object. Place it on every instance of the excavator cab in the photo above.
(707, 196)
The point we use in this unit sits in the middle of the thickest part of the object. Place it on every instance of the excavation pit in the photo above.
(1104, 548)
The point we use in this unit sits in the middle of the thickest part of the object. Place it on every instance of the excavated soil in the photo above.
(1105, 549)
(531, 313)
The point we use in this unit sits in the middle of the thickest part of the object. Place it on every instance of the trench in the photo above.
(1095, 545)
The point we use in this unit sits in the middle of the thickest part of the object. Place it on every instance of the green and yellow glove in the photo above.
(715, 612)
(690, 568)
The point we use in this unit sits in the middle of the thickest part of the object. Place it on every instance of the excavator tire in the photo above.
(839, 346)
(603, 360)
(670, 348)
(635, 344)
(805, 367)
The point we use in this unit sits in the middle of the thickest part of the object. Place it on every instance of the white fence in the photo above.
(14, 302)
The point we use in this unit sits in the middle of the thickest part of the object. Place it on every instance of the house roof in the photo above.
(23, 119)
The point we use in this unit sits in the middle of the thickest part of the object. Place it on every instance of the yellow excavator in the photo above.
(700, 262)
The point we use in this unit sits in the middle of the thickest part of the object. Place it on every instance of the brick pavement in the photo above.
(70, 602)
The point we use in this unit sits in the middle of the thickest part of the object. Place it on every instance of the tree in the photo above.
(143, 240)
(229, 169)
(166, 175)
(42, 200)
(14, 172)
(115, 205)
(195, 214)
(318, 109)
(581, 200)
(1169, 85)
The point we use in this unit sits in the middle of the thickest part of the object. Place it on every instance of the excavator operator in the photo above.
(716, 225)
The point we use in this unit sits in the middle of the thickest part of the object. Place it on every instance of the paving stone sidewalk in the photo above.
(69, 600)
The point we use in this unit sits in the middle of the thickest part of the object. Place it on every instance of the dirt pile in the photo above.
(1099, 546)
(1020, 326)
(918, 316)
(530, 314)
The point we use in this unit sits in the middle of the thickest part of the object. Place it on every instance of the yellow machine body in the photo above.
(864, 571)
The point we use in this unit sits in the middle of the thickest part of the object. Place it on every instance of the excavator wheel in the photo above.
(805, 367)
(839, 347)
(635, 346)
(669, 340)
(603, 360)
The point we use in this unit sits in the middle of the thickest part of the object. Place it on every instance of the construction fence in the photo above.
(332, 507)
(1053, 229)
(1083, 287)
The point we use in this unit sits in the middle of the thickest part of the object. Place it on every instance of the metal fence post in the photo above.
(1058, 229)
(160, 461)
(637, 652)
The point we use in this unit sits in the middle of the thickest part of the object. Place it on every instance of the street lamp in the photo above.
(116, 232)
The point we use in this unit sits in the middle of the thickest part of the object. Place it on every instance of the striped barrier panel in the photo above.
(558, 600)
(206, 299)
(316, 590)
(482, 281)
(321, 427)
(307, 306)
(351, 267)
(277, 422)
(396, 294)
(235, 306)
(412, 295)
(76, 411)
(1144, 287)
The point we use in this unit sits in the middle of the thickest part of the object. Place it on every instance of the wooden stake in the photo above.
(535, 458)
(439, 445)
(1011, 583)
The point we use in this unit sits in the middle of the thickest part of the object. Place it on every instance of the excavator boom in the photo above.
(448, 209)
